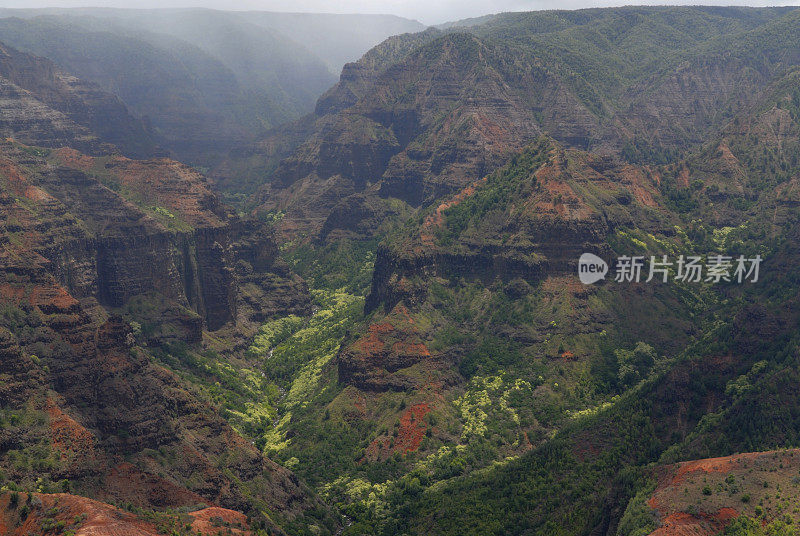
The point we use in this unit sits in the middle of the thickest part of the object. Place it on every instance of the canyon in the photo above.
(229, 305)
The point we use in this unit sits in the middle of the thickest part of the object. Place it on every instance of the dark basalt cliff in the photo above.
(152, 226)
(87, 243)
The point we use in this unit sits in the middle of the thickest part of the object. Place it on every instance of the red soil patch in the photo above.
(635, 180)
(655, 174)
(558, 200)
(490, 129)
(526, 442)
(681, 487)
(373, 342)
(412, 428)
(360, 403)
(410, 433)
(683, 177)
(402, 310)
(68, 436)
(410, 348)
(34, 193)
(214, 519)
(52, 299)
(384, 327)
(369, 346)
(83, 516)
(549, 171)
(727, 155)
(383, 337)
(555, 285)
(74, 159)
(15, 181)
(683, 524)
(140, 488)
(710, 465)
(87, 517)
(12, 292)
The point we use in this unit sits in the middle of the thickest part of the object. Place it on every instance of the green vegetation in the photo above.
(502, 187)
(243, 395)
(300, 363)
(343, 264)
(639, 519)
(747, 526)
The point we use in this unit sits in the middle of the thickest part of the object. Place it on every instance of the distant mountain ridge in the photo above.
(206, 80)
(420, 113)
(45, 106)
(334, 38)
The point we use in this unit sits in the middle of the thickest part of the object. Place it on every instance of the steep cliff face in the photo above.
(267, 287)
(750, 166)
(690, 103)
(422, 127)
(111, 249)
(46, 107)
(114, 228)
(97, 408)
(84, 240)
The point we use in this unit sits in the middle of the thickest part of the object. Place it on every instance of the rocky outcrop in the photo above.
(39, 514)
(266, 285)
(109, 400)
(113, 249)
(565, 203)
(20, 375)
(385, 357)
(25, 117)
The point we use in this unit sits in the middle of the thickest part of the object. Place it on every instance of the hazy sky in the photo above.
(426, 11)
